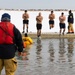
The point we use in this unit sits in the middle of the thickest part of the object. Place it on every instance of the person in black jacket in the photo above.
(10, 42)
(70, 22)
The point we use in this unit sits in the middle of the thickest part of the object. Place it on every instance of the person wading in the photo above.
(10, 42)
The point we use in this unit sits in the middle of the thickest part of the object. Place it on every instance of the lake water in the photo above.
(48, 57)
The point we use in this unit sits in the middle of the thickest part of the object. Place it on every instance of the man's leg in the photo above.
(63, 31)
(63, 28)
(40, 32)
(23, 28)
(10, 66)
(27, 28)
(37, 33)
(72, 28)
(60, 31)
(60, 28)
(1, 65)
(52, 25)
(69, 28)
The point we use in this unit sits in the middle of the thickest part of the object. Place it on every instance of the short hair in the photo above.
(70, 11)
(26, 34)
(62, 13)
(25, 10)
(52, 11)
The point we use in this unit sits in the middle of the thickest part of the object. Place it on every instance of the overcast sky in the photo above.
(37, 4)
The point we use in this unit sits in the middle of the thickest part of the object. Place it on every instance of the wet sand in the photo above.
(51, 35)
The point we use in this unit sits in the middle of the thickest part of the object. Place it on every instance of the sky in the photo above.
(37, 4)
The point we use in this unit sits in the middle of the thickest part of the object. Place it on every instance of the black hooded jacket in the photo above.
(70, 18)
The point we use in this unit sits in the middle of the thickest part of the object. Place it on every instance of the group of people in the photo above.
(11, 38)
(39, 19)
(70, 21)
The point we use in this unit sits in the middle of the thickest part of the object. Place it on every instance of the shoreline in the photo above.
(35, 9)
(50, 35)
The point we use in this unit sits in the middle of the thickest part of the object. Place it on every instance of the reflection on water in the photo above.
(51, 51)
(48, 57)
(38, 46)
(70, 49)
(62, 50)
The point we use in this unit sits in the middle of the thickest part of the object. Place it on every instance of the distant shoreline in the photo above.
(36, 9)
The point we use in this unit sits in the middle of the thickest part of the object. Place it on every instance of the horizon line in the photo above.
(36, 9)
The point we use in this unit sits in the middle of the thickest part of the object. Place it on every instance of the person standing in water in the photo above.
(25, 17)
(39, 19)
(10, 42)
(62, 19)
(70, 22)
(51, 19)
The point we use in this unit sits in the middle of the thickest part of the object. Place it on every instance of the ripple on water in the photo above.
(48, 57)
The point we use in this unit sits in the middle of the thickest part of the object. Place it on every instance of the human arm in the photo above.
(18, 40)
(28, 15)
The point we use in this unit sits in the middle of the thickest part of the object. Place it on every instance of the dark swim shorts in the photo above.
(51, 21)
(39, 26)
(62, 25)
(25, 21)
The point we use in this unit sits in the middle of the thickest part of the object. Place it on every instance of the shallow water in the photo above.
(48, 57)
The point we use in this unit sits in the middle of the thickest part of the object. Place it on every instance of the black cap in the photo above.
(5, 17)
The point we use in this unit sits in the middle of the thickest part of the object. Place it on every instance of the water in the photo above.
(48, 57)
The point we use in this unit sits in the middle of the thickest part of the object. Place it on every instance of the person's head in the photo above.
(51, 11)
(6, 17)
(26, 35)
(25, 10)
(62, 13)
(70, 11)
(39, 13)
